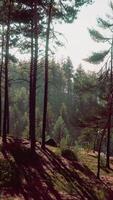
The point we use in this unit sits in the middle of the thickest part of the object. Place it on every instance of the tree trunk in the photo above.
(110, 115)
(109, 133)
(30, 82)
(1, 69)
(33, 83)
(46, 76)
(99, 151)
(103, 133)
(6, 95)
(95, 143)
(108, 146)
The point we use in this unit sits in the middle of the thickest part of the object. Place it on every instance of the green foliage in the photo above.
(69, 154)
(19, 114)
(96, 36)
(77, 147)
(104, 24)
(59, 131)
(63, 111)
(102, 161)
(86, 139)
(50, 120)
(65, 142)
(67, 11)
(72, 101)
(85, 95)
(19, 98)
(97, 58)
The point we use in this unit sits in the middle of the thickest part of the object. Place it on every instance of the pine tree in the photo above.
(6, 93)
(96, 58)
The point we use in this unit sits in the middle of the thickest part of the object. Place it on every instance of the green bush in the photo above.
(64, 142)
(102, 161)
(69, 154)
(60, 130)
(77, 147)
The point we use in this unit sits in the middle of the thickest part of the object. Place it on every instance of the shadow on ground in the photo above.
(46, 176)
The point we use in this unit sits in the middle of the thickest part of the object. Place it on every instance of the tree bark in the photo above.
(46, 76)
(30, 82)
(108, 146)
(6, 95)
(95, 142)
(110, 115)
(109, 133)
(33, 81)
(99, 151)
(102, 136)
(1, 69)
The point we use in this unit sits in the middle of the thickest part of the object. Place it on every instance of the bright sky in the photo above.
(80, 45)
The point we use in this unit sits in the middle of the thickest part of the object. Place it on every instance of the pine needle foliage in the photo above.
(105, 24)
(97, 58)
(96, 36)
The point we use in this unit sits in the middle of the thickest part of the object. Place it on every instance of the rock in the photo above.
(51, 142)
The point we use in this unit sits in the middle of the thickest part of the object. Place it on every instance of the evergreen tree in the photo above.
(99, 57)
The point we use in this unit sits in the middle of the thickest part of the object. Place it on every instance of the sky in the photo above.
(78, 44)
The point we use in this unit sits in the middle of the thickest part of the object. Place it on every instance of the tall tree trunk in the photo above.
(33, 82)
(99, 150)
(110, 114)
(109, 132)
(102, 136)
(95, 141)
(1, 69)
(30, 80)
(46, 76)
(6, 95)
(108, 145)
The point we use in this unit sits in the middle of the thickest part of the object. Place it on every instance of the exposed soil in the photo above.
(47, 176)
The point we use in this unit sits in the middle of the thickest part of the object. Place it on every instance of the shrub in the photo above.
(77, 147)
(102, 161)
(60, 130)
(69, 154)
(64, 143)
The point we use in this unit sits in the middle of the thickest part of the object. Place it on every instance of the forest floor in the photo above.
(46, 175)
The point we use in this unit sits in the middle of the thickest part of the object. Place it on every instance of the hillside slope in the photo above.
(46, 176)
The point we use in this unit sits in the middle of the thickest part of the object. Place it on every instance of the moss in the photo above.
(69, 154)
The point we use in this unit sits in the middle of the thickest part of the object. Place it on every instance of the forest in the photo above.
(56, 122)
